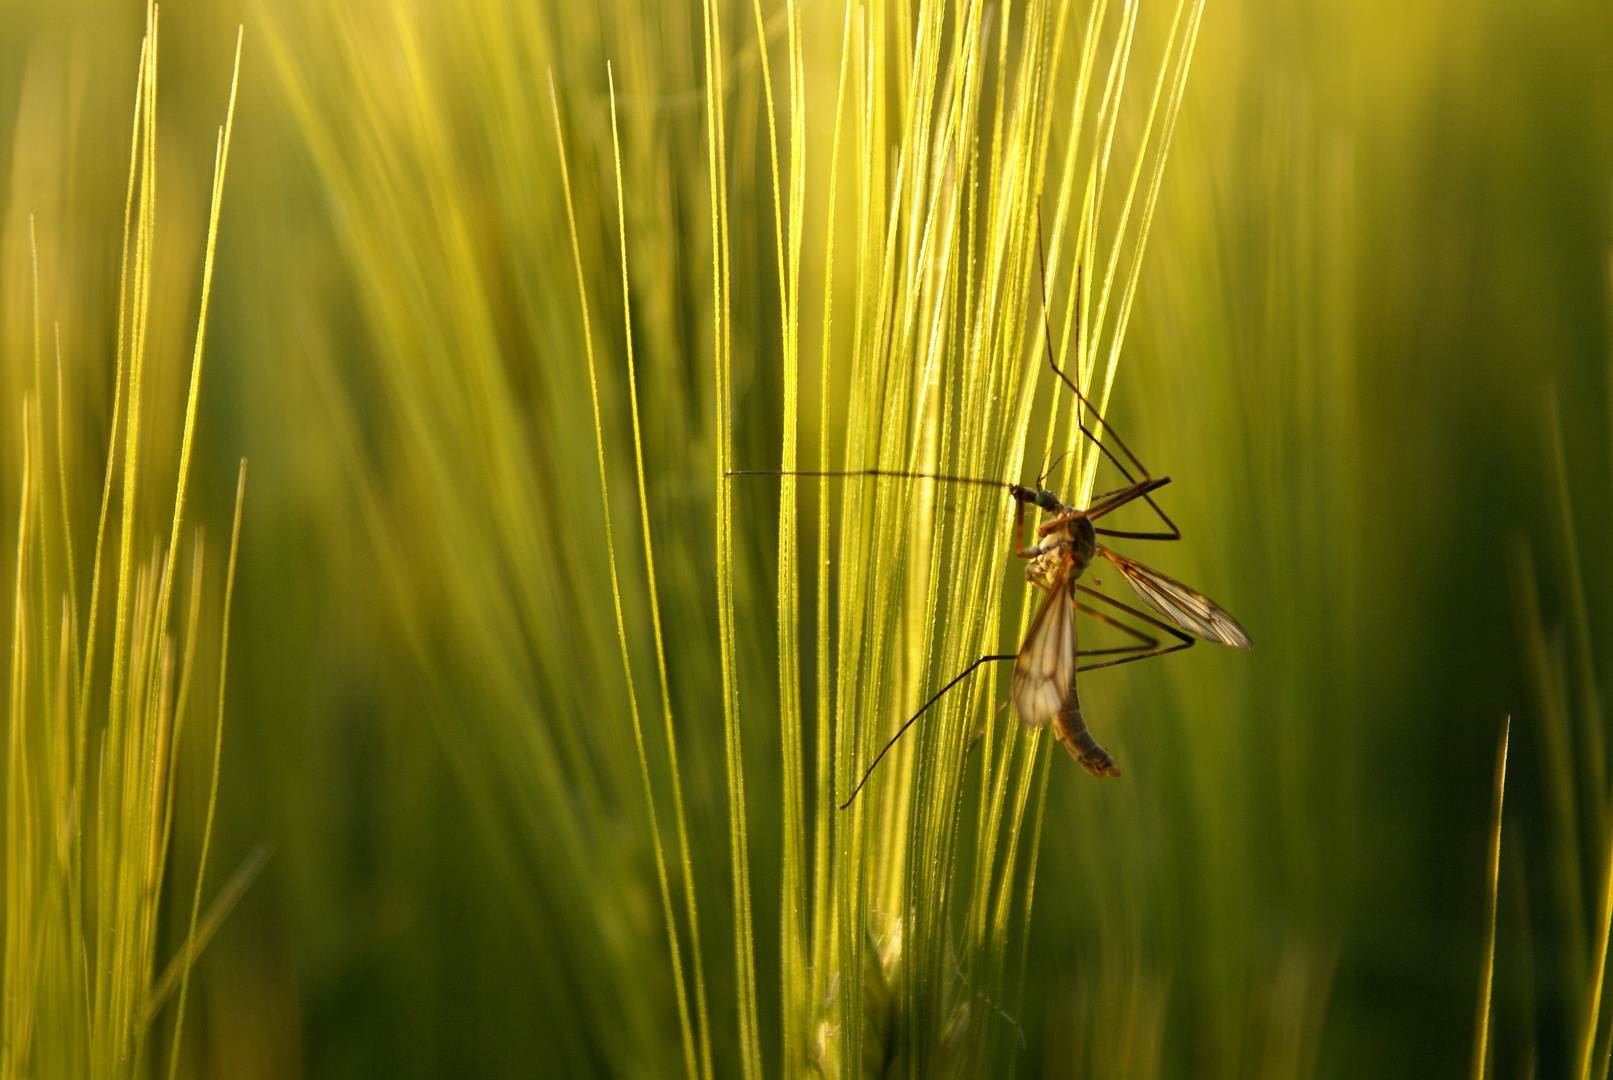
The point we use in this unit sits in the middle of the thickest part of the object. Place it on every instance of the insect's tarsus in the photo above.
(965, 673)
(1047, 341)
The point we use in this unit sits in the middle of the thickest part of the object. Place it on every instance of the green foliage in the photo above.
(546, 721)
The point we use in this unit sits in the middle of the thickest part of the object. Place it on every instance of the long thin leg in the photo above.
(1099, 498)
(1113, 501)
(888, 474)
(965, 673)
(1175, 534)
(1047, 338)
(1120, 498)
(1183, 641)
(1020, 549)
(1147, 642)
(1125, 534)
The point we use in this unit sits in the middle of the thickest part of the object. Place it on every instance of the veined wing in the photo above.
(1187, 608)
(1045, 667)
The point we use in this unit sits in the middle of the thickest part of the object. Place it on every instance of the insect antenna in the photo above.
(1047, 342)
(1048, 471)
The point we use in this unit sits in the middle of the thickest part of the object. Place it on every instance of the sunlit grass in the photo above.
(1563, 677)
(926, 326)
(94, 742)
(1481, 1023)
(943, 377)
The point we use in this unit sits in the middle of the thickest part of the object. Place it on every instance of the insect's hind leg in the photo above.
(1183, 641)
(1109, 502)
(1145, 642)
(964, 674)
(1069, 725)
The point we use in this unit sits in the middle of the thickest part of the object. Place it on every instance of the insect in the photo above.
(1045, 667)
(1043, 686)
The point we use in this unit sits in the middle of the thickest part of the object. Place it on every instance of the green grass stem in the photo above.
(1481, 1026)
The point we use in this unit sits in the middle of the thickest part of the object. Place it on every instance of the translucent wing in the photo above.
(1191, 610)
(1045, 667)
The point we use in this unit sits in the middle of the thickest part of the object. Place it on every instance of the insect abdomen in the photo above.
(1071, 728)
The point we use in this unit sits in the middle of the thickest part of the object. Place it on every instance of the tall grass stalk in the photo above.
(621, 632)
(93, 755)
(749, 1038)
(691, 908)
(1481, 1027)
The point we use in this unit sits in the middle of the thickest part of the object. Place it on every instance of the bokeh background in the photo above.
(1372, 348)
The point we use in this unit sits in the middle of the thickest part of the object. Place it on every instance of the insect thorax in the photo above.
(1068, 550)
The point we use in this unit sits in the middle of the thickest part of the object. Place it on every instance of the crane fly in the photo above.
(1044, 690)
(1043, 686)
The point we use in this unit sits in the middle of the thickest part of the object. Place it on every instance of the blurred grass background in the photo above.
(1372, 348)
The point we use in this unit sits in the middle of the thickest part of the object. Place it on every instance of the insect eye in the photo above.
(1048, 501)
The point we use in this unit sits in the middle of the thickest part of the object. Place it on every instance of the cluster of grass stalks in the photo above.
(105, 691)
(920, 884)
(877, 302)
(1577, 866)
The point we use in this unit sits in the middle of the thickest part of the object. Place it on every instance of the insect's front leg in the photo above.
(1062, 519)
(1114, 500)
(1038, 580)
